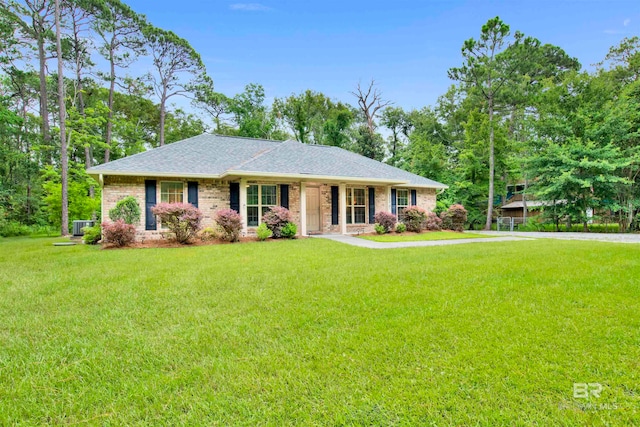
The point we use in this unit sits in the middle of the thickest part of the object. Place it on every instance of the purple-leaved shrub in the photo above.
(182, 219)
(454, 218)
(230, 224)
(118, 233)
(276, 219)
(433, 222)
(386, 220)
(414, 217)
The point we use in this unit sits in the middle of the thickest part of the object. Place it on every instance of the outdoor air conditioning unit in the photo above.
(79, 225)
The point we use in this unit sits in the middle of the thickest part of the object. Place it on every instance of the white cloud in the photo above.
(626, 22)
(249, 7)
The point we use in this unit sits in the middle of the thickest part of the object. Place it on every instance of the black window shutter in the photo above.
(394, 202)
(234, 196)
(334, 204)
(149, 202)
(414, 198)
(284, 196)
(372, 205)
(192, 193)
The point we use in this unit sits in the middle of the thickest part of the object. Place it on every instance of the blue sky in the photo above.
(406, 46)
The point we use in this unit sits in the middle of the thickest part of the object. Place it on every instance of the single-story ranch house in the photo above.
(327, 189)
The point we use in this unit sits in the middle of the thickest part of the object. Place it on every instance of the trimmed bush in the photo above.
(118, 233)
(401, 228)
(208, 234)
(276, 219)
(454, 218)
(230, 223)
(126, 209)
(92, 235)
(433, 222)
(183, 219)
(289, 231)
(263, 232)
(379, 229)
(386, 219)
(414, 217)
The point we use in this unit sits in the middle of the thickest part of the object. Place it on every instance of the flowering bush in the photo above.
(414, 218)
(276, 218)
(401, 228)
(433, 222)
(118, 233)
(127, 210)
(387, 221)
(183, 219)
(454, 218)
(230, 223)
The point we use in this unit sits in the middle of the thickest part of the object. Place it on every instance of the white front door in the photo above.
(313, 209)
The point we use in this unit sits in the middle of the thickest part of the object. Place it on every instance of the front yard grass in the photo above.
(425, 236)
(314, 332)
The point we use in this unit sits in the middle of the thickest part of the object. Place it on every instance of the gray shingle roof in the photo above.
(216, 156)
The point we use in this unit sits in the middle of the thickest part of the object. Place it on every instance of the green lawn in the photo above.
(314, 332)
(432, 235)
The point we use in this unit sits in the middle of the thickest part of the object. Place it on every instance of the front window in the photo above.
(260, 198)
(356, 211)
(402, 198)
(171, 192)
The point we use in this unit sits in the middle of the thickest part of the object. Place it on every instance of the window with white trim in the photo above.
(171, 191)
(356, 206)
(260, 198)
(402, 201)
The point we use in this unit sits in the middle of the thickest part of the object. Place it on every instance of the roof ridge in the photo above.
(162, 147)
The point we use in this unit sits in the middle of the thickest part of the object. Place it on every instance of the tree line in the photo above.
(518, 110)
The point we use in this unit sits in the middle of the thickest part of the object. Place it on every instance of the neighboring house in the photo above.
(327, 189)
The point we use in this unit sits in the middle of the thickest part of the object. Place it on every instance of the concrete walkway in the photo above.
(363, 243)
(599, 237)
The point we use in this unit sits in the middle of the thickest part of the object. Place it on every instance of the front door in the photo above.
(313, 209)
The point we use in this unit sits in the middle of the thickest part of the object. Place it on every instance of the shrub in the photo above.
(126, 209)
(263, 232)
(386, 219)
(92, 235)
(454, 218)
(401, 228)
(433, 222)
(183, 219)
(379, 229)
(414, 217)
(118, 233)
(230, 223)
(208, 234)
(289, 231)
(276, 219)
(14, 228)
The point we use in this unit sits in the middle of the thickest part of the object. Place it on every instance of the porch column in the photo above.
(388, 198)
(343, 208)
(303, 209)
(243, 204)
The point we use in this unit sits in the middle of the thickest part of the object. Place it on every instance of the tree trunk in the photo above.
(44, 102)
(63, 137)
(525, 209)
(112, 89)
(163, 114)
(487, 225)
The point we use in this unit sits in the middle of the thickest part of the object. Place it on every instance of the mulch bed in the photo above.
(166, 243)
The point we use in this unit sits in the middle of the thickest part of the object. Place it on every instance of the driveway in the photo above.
(355, 241)
(600, 237)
